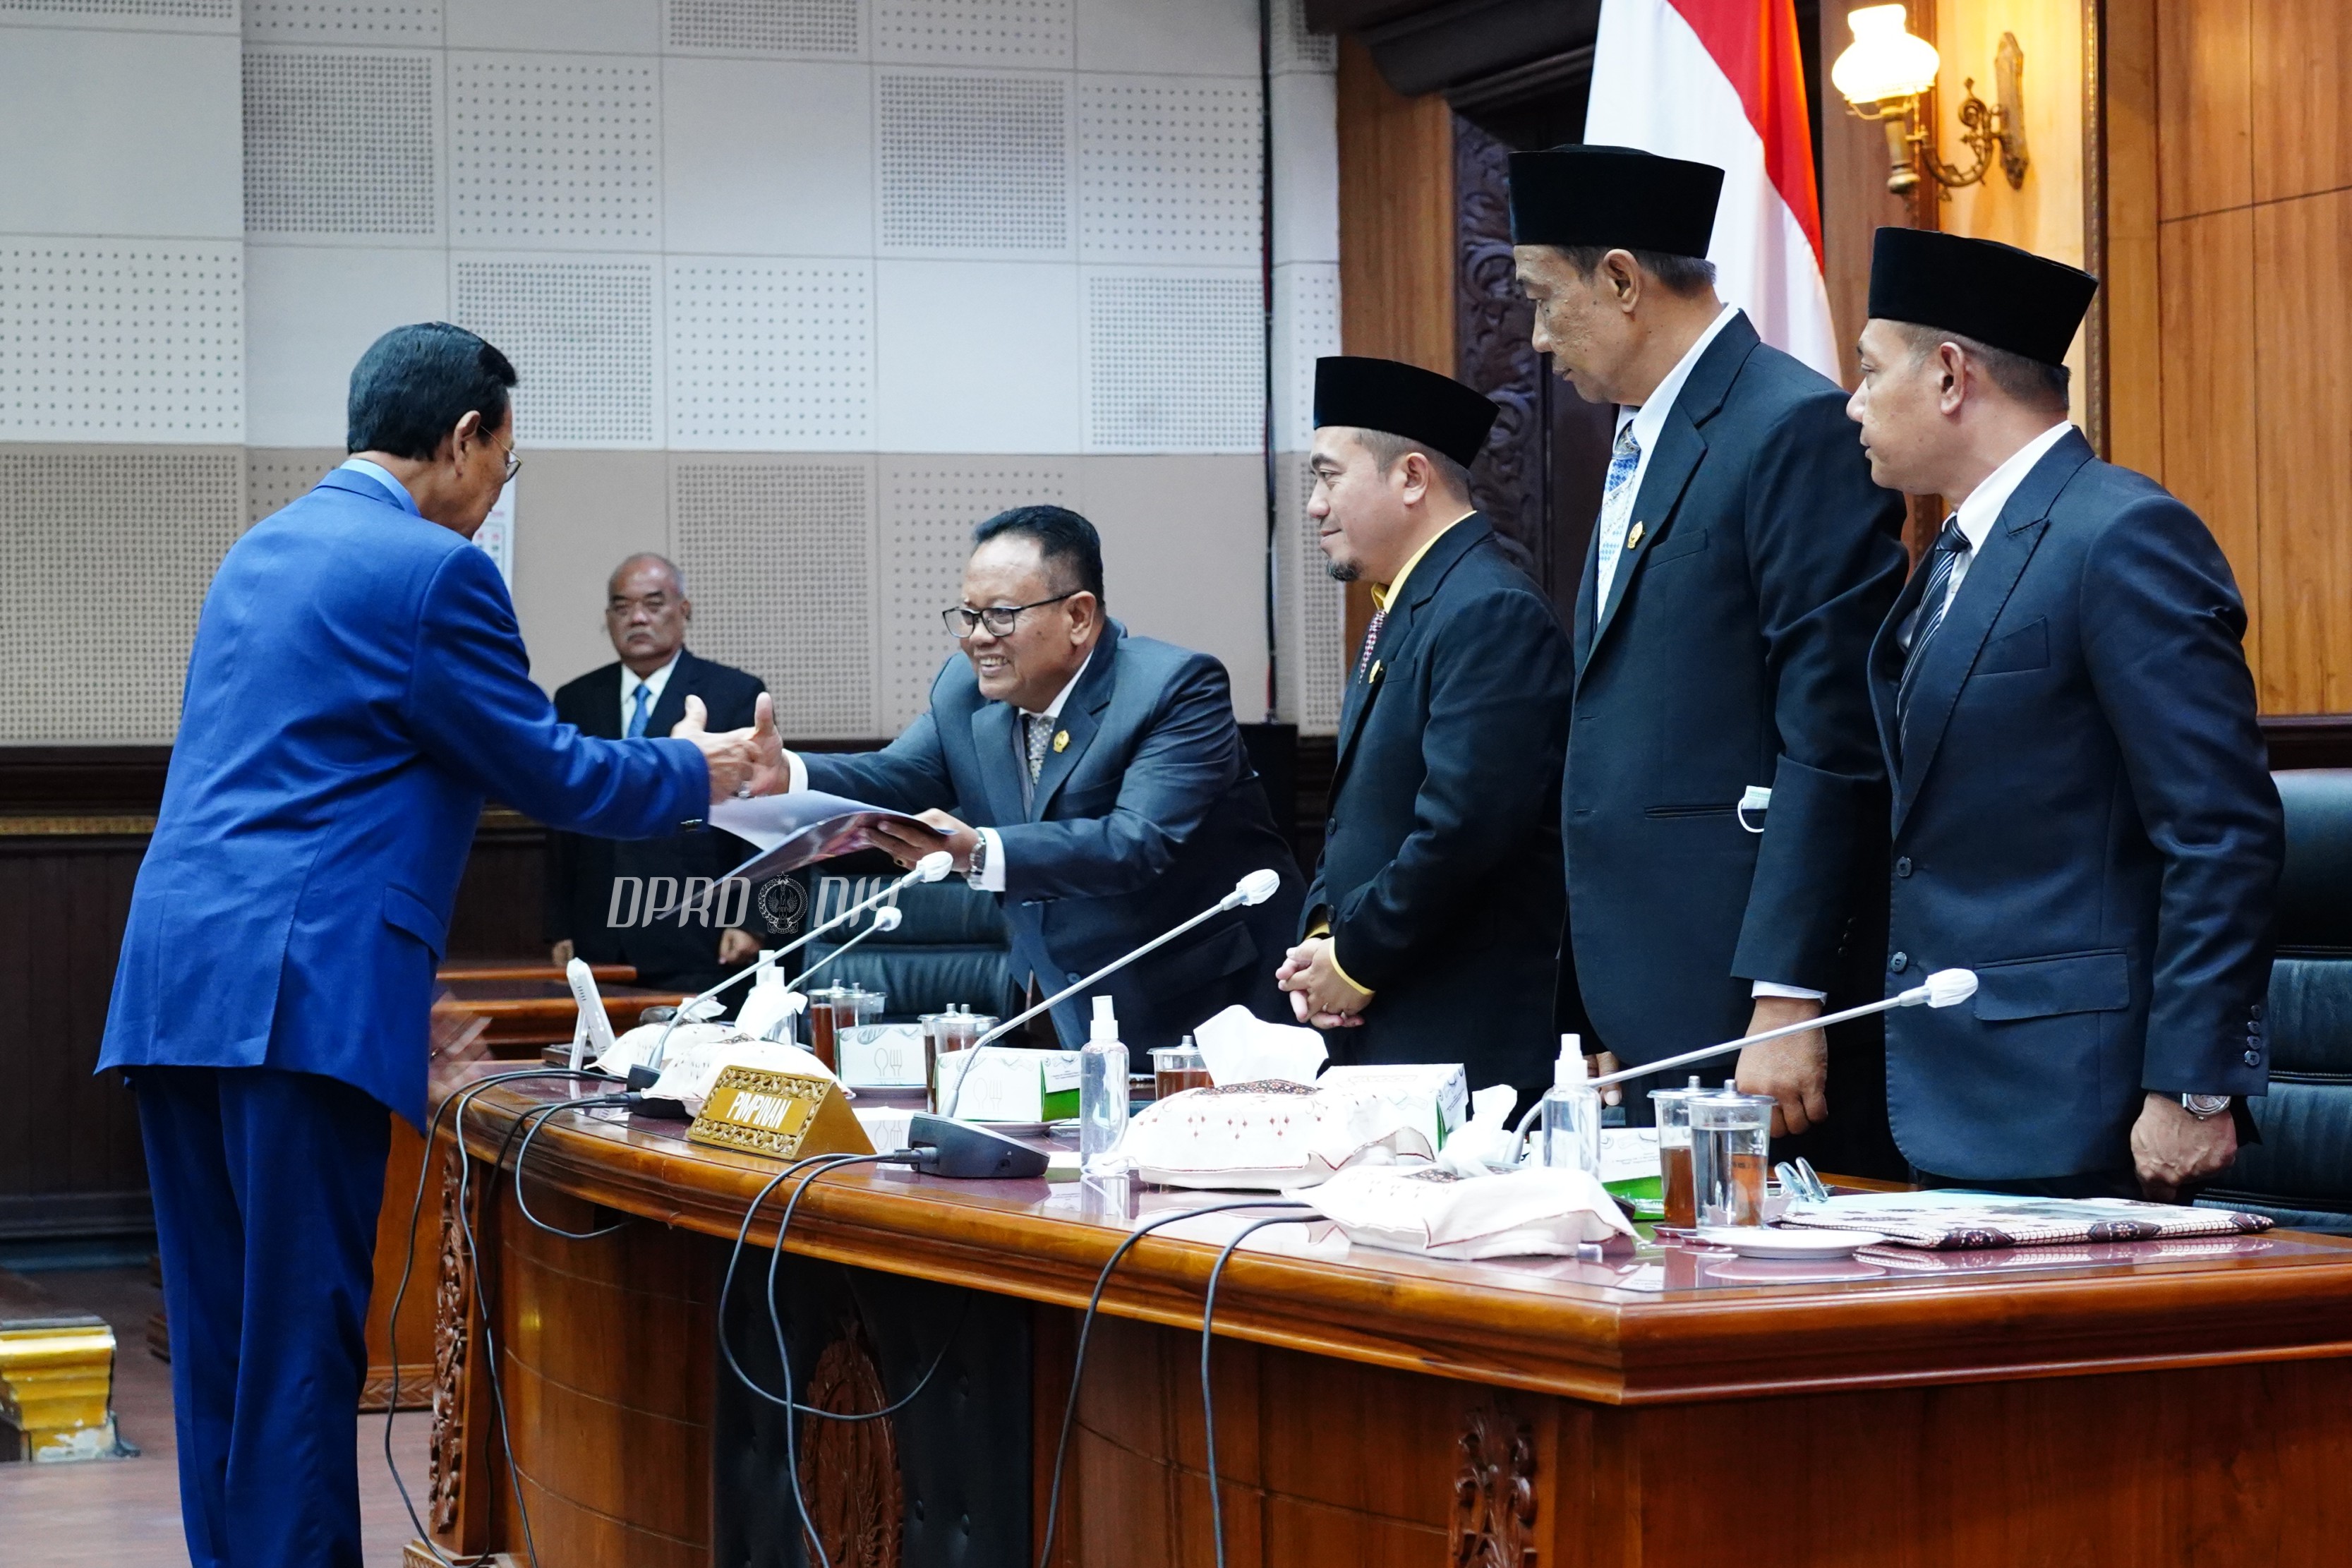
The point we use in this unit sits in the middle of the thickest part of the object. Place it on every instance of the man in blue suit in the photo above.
(2083, 810)
(1722, 794)
(1095, 781)
(357, 688)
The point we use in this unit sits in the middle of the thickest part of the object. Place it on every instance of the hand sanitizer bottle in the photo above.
(1571, 1112)
(1102, 1089)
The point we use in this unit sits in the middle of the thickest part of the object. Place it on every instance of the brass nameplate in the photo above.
(784, 1115)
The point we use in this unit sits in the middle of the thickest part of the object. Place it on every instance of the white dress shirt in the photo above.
(1983, 507)
(991, 878)
(1648, 420)
(631, 681)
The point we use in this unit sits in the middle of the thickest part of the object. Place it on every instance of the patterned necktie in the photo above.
(1041, 728)
(1371, 636)
(644, 699)
(1951, 546)
(1616, 504)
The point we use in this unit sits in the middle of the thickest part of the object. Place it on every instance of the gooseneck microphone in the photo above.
(1255, 889)
(1945, 988)
(931, 868)
(887, 918)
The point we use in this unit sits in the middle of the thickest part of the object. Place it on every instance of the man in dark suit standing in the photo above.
(2083, 810)
(675, 930)
(1724, 793)
(1432, 927)
(1093, 780)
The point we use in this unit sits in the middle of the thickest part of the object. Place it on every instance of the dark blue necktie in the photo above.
(1951, 545)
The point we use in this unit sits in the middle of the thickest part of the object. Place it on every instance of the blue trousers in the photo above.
(266, 1186)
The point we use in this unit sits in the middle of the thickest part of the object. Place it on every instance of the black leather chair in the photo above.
(2301, 1172)
(950, 947)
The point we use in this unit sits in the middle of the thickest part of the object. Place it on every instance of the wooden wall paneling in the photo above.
(2300, 67)
(2129, 278)
(1855, 203)
(1396, 234)
(2212, 428)
(2303, 470)
(2204, 95)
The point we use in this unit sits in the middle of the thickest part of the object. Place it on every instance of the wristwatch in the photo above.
(2204, 1107)
(976, 864)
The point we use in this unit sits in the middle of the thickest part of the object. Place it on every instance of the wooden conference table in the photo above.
(2156, 1404)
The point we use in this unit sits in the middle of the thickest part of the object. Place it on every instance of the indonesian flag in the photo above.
(1721, 82)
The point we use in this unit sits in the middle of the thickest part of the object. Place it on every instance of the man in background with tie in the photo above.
(1093, 780)
(1432, 927)
(2083, 813)
(1723, 790)
(675, 942)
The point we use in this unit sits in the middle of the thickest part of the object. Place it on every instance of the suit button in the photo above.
(2253, 1057)
(1074, 977)
(1903, 866)
(2255, 1012)
(1898, 963)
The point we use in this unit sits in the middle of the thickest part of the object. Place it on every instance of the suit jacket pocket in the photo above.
(2028, 647)
(2045, 987)
(407, 911)
(1677, 543)
(1195, 965)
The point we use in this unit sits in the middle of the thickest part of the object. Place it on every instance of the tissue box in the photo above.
(1435, 1099)
(882, 1055)
(1011, 1084)
(1630, 1166)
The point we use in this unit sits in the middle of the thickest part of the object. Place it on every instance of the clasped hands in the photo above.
(1320, 995)
(741, 762)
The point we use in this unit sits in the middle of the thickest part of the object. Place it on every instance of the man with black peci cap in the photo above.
(1724, 793)
(1434, 921)
(2083, 814)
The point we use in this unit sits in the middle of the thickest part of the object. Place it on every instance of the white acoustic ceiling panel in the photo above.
(781, 556)
(405, 24)
(559, 151)
(973, 164)
(178, 15)
(105, 340)
(1169, 170)
(1314, 617)
(1306, 327)
(583, 337)
(974, 32)
(1175, 361)
(770, 355)
(109, 553)
(276, 477)
(929, 506)
(1296, 47)
(812, 27)
(341, 142)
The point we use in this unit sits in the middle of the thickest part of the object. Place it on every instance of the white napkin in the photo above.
(1542, 1210)
(1484, 1144)
(770, 1005)
(1239, 1047)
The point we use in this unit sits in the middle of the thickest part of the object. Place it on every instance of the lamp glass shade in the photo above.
(1886, 61)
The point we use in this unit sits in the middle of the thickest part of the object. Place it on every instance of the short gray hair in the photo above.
(1683, 275)
(2029, 381)
(1388, 449)
(677, 578)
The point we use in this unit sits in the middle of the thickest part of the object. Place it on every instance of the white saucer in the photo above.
(1756, 1241)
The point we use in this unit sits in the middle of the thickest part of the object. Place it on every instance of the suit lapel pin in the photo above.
(1374, 678)
(1634, 538)
(1061, 739)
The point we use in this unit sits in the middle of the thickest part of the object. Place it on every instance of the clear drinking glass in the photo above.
(1675, 1154)
(1731, 1136)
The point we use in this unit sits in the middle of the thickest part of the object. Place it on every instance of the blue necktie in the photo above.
(1950, 545)
(645, 701)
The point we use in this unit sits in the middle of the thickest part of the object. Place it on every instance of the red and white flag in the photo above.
(1721, 82)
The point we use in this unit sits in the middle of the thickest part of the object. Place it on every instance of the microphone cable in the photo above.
(1087, 1327)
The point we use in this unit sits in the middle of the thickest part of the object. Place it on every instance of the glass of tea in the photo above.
(1675, 1153)
(1731, 1135)
(1175, 1068)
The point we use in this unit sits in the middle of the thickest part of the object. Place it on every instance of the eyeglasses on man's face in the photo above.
(998, 618)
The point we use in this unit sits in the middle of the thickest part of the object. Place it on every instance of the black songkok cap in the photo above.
(2002, 297)
(1620, 198)
(1403, 400)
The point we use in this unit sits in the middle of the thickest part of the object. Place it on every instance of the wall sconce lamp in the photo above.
(1882, 75)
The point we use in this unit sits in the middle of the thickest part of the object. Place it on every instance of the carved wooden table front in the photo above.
(2175, 1403)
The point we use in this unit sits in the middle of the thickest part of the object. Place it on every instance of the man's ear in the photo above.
(1086, 610)
(467, 428)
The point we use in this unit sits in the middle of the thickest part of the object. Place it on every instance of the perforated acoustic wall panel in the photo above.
(1306, 327)
(340, 143)
(814, 28)
(973, 164)
(1296, 47)
(581, 336)
(121, 341)
(108, 555)
(406, 22)
(789, 547)
(929, 510)
(974, 32)
(559, 151)
(275, 478)
(1168, 169)
(1175, 362)
(208, 14)
(771, 354)
(1315, 654)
